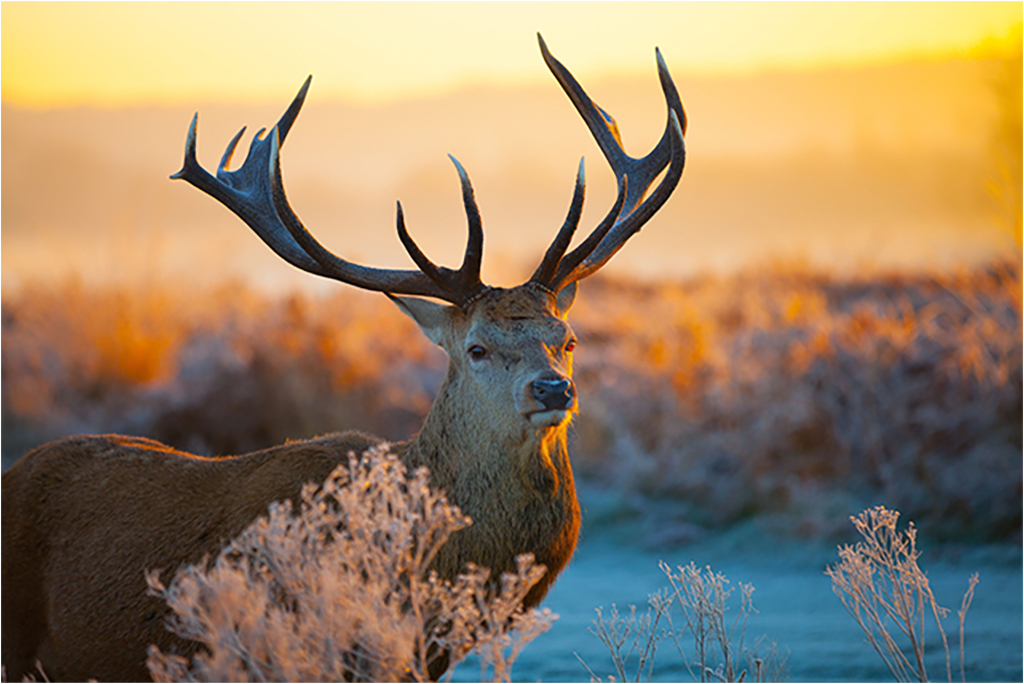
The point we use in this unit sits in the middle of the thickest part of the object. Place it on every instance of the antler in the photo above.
(635, 176)
(255, 193)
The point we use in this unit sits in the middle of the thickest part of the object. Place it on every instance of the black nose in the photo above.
(554, 394)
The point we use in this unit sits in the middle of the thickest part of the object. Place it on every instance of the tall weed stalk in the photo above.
(709, 642)
(889, 596)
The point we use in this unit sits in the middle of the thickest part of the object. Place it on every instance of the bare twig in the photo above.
(965, 605)
(880, 584)
(702, 597)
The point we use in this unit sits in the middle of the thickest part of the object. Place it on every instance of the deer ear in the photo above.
(431, 317)
(566, 296)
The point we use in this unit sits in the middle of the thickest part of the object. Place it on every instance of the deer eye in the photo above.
(570, 345)
(478, 353)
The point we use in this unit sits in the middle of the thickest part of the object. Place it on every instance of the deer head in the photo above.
(510, 349)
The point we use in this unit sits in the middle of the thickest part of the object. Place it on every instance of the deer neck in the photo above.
(459, 450)
(517, 484)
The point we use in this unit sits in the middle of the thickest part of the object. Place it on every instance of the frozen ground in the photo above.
(795, 603)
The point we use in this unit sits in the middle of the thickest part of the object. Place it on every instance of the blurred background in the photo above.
(825, 316)
(826, 313)
(841, 136)
(829, 303)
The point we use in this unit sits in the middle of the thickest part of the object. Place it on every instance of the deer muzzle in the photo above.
(554, 395)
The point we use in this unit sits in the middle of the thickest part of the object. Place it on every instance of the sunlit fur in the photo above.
(85, 517)
(510, 474)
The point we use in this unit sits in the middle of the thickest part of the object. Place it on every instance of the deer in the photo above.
(85, 517)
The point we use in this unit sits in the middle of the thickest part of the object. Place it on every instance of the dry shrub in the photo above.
(30, 677)
(702, 595)
(709, 643)
(888, 595)
(341, 590)
(798, 386)
(229, 370)
(97, 343)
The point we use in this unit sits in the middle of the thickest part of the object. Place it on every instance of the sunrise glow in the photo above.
(125, 53)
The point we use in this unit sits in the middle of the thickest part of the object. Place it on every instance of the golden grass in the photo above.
(771, 391)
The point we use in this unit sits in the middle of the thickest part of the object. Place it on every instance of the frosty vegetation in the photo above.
(778, 392)
(691, 615)
(886, 592)
(877, 579)
(340, 590)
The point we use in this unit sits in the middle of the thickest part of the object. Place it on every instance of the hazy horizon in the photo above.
(841, 168)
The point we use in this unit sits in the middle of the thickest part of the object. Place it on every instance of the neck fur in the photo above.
(457, 445)
(515, 484)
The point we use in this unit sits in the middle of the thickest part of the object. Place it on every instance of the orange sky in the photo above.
(118, 53)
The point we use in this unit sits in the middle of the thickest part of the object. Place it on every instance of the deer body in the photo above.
(85, 517)
(73, 595)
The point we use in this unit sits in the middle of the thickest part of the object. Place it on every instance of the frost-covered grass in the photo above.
(775, 391)
(341, 590)
(878, 580)
(885, 591)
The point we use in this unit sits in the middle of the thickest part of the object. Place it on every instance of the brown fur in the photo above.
(85, 517)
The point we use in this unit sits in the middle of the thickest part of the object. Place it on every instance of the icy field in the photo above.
(795, 604)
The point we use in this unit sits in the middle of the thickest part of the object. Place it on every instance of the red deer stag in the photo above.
(85, 517)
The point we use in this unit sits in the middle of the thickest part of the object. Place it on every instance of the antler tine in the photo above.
(546, 271)
(600, 122)
(378, 279)
(284, 124)
(469, 272)
(634, 175)
(627, 226)
(428, 267)
(229, 152)
(255, 193)
(672, 99)
(585, 248)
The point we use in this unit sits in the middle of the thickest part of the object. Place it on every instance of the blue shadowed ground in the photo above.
(795, 604)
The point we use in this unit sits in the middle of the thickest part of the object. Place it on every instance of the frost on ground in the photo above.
(795, 606)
